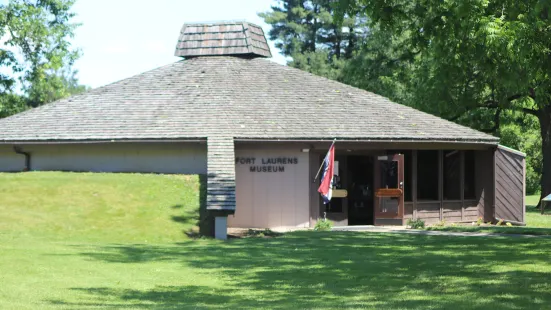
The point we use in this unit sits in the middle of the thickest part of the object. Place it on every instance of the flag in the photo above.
(326, 186)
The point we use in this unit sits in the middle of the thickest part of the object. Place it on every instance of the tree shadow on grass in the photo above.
(343, 270)
(198, 221)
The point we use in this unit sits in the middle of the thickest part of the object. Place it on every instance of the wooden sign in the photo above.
(388, 192)
(340, 193)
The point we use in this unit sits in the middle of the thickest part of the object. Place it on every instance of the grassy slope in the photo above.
(98, 207)
(50, 259)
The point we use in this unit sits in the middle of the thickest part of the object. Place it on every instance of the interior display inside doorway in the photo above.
(389, 204)
(427, 175)
(355, 175)
(360, 178)
(389, 173)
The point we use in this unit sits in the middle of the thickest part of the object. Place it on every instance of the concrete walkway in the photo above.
(404, 230)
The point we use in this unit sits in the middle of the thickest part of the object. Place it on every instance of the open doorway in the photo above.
(360, 190)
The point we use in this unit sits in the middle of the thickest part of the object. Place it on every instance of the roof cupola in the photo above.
(222, 39)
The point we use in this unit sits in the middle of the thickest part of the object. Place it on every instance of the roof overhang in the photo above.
(104, 141)
(371, 140)
(257, 140)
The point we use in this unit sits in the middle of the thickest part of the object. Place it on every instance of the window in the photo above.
(452, 175)
(427, 175)
(408, 177)
(389, 173)
(469, 189)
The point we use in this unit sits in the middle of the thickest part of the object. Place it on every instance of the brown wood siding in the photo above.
(428, 211)
(460, 210)
(509, 184)
(484, 183)
(408, 210)
(470, 210)
(451, 211)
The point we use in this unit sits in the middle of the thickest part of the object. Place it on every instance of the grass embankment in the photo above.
(536, 223)
(98, 207)
(78, 241)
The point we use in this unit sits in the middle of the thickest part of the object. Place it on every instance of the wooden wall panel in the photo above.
(451, 211)
(470, 212)
(452, 206)
(484, 183)
(432, 220)
(408, 210)
(428, 210)
(509, 185)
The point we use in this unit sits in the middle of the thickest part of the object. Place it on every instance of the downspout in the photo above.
(27, 155)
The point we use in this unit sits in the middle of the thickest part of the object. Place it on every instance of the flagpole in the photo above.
(319, 170)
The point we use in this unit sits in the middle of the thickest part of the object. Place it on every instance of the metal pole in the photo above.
(319, 170)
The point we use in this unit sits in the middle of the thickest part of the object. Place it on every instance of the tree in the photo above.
(474, 59)
(36, 53)
(306, 31)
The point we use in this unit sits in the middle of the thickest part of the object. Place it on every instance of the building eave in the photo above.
(103, 141)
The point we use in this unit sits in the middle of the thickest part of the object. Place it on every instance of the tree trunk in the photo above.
(545, 124)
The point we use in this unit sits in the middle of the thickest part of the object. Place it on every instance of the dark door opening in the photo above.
(360, 190)
(336, 210)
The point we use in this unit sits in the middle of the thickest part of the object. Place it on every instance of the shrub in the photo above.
(416, 224)
(323, 225)
(500, 222)
(442, 223)
(479, 222)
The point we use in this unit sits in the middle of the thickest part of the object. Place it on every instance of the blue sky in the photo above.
(121, 38)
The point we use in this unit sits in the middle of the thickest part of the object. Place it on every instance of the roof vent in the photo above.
(222, 39)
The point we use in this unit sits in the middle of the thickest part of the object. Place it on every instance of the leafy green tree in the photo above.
(474, 59)
(521, 132)
(36, 53)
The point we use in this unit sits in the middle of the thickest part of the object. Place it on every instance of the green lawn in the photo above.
(534, 218)
(85, 241)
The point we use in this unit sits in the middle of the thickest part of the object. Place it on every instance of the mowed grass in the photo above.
(98, 206)
(142, 259)
(534, 218)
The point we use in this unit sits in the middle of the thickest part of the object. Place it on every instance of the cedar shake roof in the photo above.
(242, 98)
(223, 38)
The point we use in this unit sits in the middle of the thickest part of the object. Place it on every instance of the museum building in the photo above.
(259, 132)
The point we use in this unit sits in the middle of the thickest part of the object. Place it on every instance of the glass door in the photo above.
(389, 188)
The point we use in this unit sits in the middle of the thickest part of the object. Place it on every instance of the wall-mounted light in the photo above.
(305, 150)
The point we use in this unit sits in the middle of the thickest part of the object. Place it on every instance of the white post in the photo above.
(221, 227)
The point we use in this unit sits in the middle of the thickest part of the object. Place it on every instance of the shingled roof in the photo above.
(222, 38)
(243, 98)
(221, 98)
